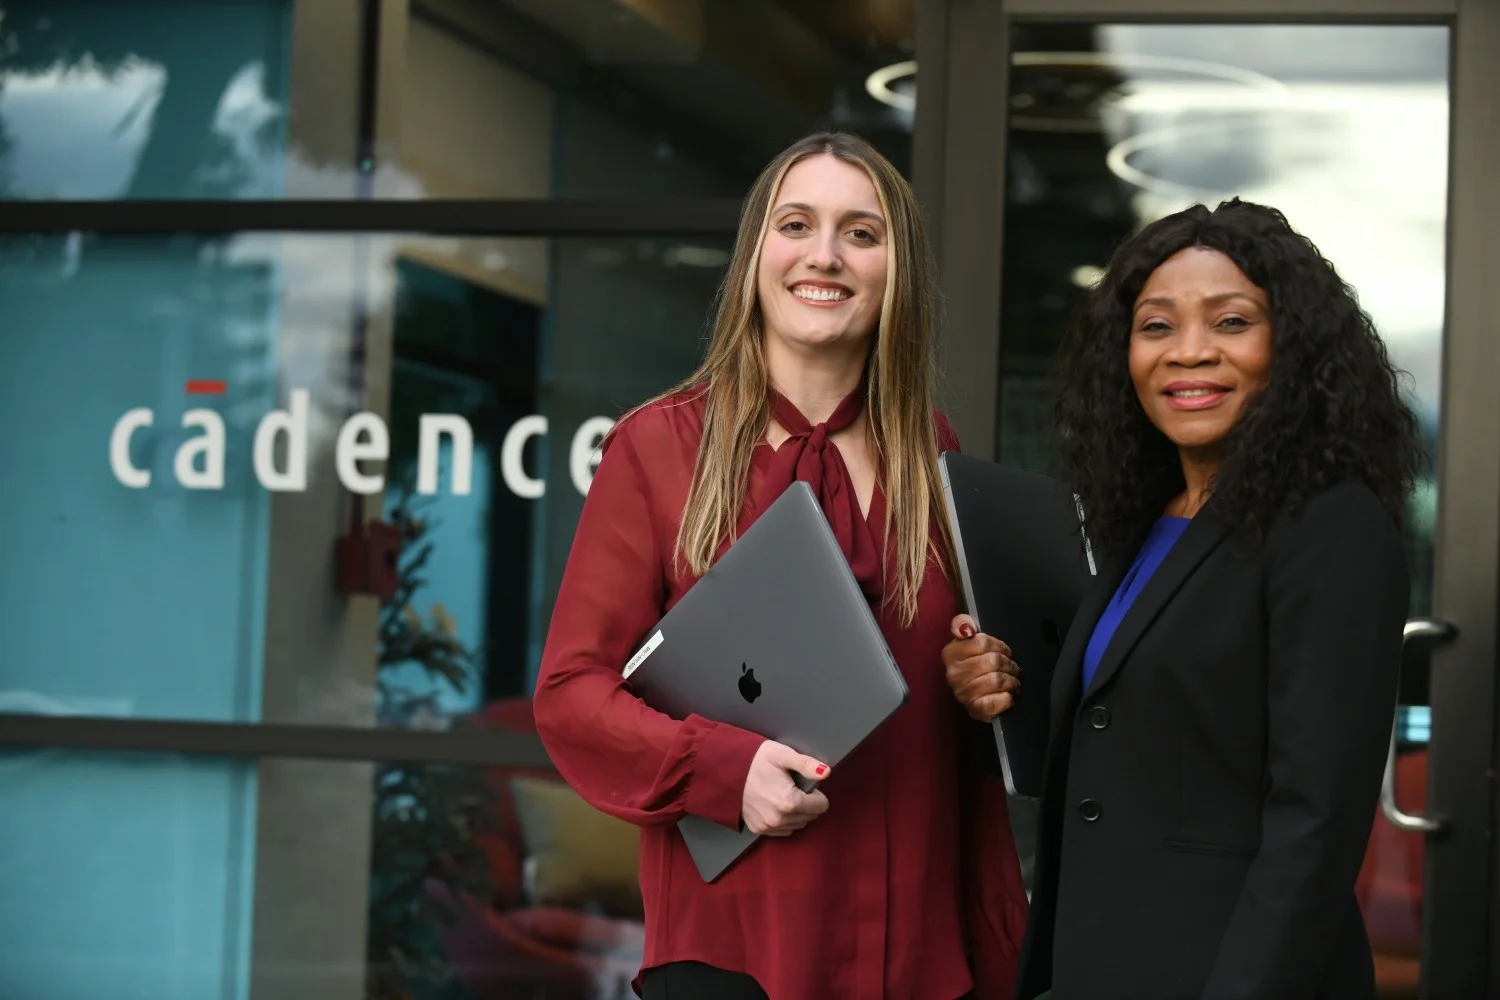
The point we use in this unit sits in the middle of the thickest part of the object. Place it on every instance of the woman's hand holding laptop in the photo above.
(980, 671)
(773, 806)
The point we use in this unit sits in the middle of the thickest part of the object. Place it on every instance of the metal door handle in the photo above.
(1416, 628)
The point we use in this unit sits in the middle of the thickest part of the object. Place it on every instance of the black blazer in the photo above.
(1207, 802)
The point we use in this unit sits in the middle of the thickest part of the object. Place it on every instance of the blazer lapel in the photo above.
(1202, 535)
(1067, 673)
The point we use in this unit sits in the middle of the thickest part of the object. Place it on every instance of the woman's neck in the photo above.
(815, 382)
(1198, 472)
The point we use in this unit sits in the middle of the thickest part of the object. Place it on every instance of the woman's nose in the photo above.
(824, 253)
(1192, 346)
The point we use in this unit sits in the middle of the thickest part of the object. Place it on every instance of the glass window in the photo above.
(524, 889)
(125, 876)
(176, 878)
(183, 417)
(167, 99)
(1113, 126)
(1343, 128)
(528, 98)
(513, 99)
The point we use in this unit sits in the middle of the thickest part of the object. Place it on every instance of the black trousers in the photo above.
(696, 981)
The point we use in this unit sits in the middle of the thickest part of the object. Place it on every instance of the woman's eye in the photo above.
(1154, 326)
(795, 226)
(863, 235)
(1234, 322)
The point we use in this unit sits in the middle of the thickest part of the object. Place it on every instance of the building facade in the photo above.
(313, 313)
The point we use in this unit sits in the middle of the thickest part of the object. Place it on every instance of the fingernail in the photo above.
(966, 630)
(821, 770)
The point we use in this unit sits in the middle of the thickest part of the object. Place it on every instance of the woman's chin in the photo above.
(821, 339)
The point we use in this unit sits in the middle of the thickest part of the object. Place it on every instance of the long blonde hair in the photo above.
(899, 402)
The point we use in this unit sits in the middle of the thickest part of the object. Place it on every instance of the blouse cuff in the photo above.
(721, 765)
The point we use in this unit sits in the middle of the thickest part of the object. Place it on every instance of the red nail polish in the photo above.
(821, 770)
(967, 631)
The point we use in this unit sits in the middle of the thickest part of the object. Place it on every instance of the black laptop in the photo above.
(776, 638)
(1024, 563)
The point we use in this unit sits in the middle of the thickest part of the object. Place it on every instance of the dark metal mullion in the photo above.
(540, 217)
(1461, 882)
(369, 91)
(973, 199)
(477, 747)
(929, 126)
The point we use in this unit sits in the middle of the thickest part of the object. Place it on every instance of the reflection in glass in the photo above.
(179, 878)
(500, 883)
(532, 99)
(119, 600)
(460, 347)
(106, 99)
(1343, 128)
(101, 99)
(693, 99)
(125, 876)
(162, 565)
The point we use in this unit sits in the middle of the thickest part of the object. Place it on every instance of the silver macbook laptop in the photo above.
(777, 639)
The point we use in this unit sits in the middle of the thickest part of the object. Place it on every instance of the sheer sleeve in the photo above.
(947, 437)
(622, 756)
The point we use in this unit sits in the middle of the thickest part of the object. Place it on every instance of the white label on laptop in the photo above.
(640, 657)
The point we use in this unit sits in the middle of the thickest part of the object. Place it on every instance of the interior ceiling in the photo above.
(660, 32)
(757, 72)
(861, 29)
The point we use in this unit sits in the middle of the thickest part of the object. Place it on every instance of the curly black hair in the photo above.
(1332, 410)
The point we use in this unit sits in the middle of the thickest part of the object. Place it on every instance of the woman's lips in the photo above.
(1194, 395)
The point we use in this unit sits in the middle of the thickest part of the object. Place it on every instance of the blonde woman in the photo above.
(819, 369)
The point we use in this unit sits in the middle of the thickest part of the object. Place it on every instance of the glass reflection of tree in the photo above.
(183, 154)
(426, 817)
(408, 635)
(466, 349)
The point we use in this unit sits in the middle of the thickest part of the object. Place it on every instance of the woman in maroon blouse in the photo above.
(897, 879)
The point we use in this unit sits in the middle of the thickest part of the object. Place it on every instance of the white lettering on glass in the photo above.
(512, 450)
(583, 457)
(291, 423)
(209, 444)
(364, 437)
(431, 428)
(119, 448)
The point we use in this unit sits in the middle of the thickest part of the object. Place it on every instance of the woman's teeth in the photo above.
(820, 294)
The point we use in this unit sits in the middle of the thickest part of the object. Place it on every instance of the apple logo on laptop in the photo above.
(749, 686)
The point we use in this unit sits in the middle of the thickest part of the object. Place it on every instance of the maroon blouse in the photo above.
(908, 887)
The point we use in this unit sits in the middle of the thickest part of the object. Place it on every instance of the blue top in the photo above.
(1164, 534)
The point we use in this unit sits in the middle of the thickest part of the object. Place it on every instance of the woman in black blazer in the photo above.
(1223, 701)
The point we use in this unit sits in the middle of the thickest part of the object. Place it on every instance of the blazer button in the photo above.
(1099, 717)
(1090, 810)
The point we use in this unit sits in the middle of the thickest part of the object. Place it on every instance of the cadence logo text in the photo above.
(364, 437)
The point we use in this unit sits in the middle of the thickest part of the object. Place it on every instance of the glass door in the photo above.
(1112, 126)
(1117, 115)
